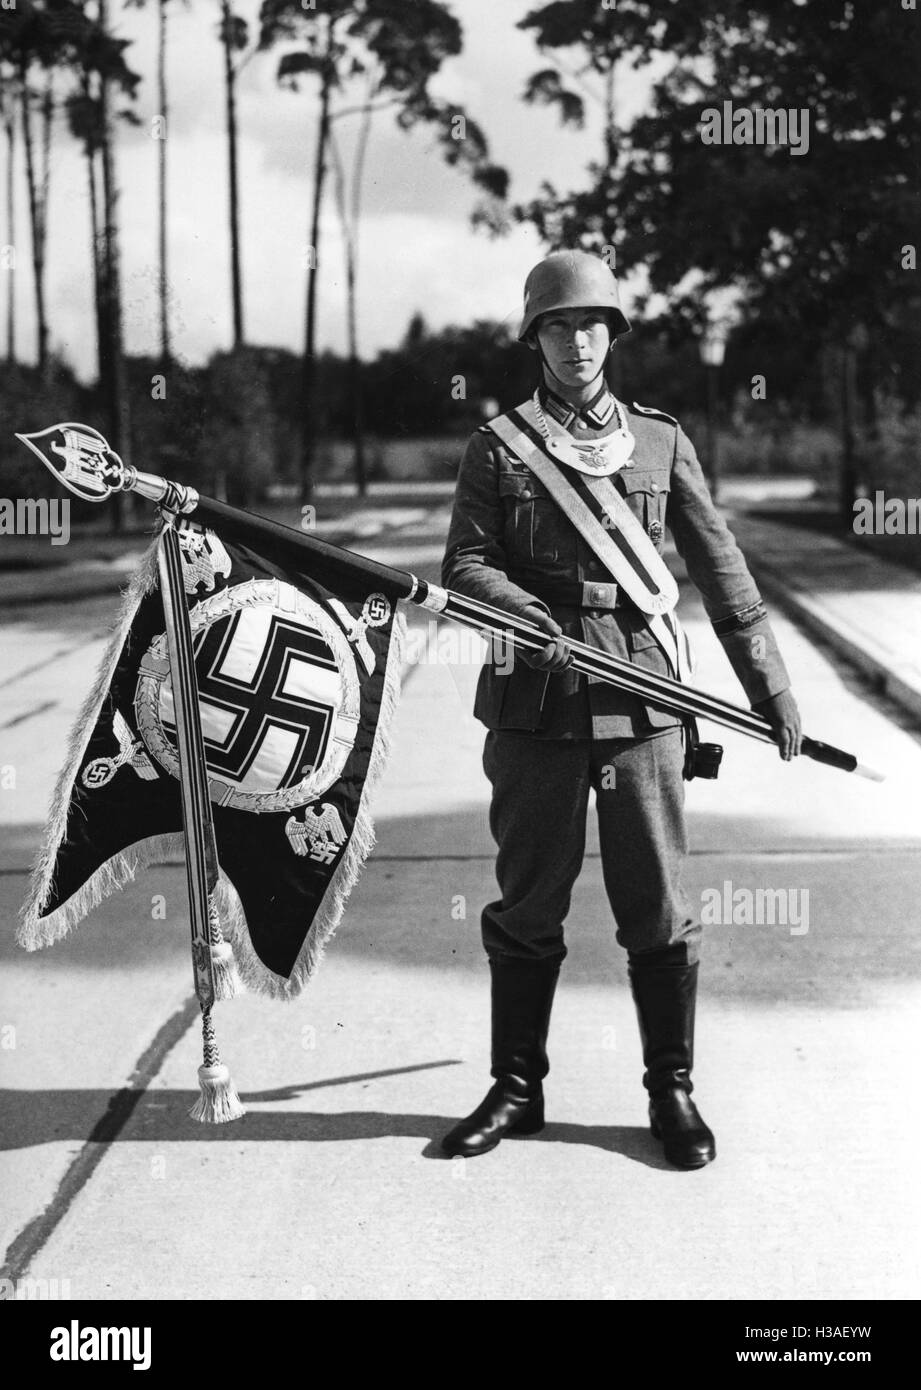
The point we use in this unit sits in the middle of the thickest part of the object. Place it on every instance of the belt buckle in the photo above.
(598, 595)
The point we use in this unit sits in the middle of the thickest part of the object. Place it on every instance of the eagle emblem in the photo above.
(130, 751)
(80, 457)
(320, 835)
(203, 556)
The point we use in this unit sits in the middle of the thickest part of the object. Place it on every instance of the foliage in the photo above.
(385, 49)
(895, 465)
(61, 35)
(29, 402)
(236, 451)
(814, 241)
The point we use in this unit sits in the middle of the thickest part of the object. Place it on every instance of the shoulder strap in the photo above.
(621, 544)
(654, 412)
(599, 514)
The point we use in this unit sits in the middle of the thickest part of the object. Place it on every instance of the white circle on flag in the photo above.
(279, 696)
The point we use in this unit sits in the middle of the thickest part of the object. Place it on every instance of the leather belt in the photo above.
(578, 594)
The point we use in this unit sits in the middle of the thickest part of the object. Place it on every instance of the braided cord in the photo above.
(215, 935)
(212, 1056)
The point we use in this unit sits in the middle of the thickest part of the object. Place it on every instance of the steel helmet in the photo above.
(571, 280)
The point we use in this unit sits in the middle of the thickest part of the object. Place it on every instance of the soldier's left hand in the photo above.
(782, 713)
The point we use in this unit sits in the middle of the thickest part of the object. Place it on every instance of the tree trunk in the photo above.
(349, 214)
(309, 375)
(867, 379)
(165, 352)
(230, 78)
(848, 479)
(96, 252)
(114, 385)
(358, 422)
(358, 433)
(10, 123)
(96, 249)
(35, 222)
(45, 177)
(610, 125)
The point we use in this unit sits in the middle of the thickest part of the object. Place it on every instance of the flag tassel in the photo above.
(227, 982)
(218, 1102)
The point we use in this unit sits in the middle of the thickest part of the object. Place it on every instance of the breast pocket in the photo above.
(531, 526)
(640, 635)
(646, 493)
(644, 649)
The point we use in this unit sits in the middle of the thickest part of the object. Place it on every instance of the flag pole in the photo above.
(521, 634)
(218, 1101)
(88, 467)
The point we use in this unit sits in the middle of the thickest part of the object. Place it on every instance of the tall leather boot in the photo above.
(665, 993)
(522, 997)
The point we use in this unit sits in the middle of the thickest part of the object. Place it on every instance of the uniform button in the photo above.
(655, 487)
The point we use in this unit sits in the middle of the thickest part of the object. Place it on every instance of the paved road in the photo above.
(333, 1186)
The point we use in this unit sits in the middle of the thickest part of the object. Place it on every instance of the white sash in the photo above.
(642, 573)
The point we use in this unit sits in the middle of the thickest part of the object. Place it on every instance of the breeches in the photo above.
(540, 795)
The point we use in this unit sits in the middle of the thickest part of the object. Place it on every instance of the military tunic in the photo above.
(510, 545)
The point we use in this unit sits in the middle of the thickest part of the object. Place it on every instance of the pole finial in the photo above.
(80, 458)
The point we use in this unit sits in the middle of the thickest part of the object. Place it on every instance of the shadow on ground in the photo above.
(42, 1117)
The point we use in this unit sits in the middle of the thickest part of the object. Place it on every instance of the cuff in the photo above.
(755, 657)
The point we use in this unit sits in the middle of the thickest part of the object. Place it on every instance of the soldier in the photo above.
(520, 539)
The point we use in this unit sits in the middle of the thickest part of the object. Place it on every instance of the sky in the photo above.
(417, 249)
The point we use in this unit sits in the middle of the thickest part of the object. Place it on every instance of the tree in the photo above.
(236, 449)
(586, 42)
(98, 58)
(114, 373)
(37, 43)
(83, 119)
(348, 201)
(234, 35)
(810, 239)
(8, 120)
(162, 238)
(813, 241)
(161, 135)
(410, 387)
(393, 51)
(28, 46)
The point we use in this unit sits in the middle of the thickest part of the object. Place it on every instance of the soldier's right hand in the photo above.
(557, 655)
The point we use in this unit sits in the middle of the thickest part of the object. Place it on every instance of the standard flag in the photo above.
(297, 684)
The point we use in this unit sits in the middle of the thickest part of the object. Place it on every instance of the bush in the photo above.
(797, 450)
(894, 461)
(236, 453)
(27, 404)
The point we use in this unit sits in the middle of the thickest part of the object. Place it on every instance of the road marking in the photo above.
(33, 1237)
(39, 665)
(30, 714)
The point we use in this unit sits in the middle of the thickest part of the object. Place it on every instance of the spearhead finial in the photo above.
(81, 459)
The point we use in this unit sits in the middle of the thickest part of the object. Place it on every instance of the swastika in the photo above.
(254, 706)
(279, 696)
